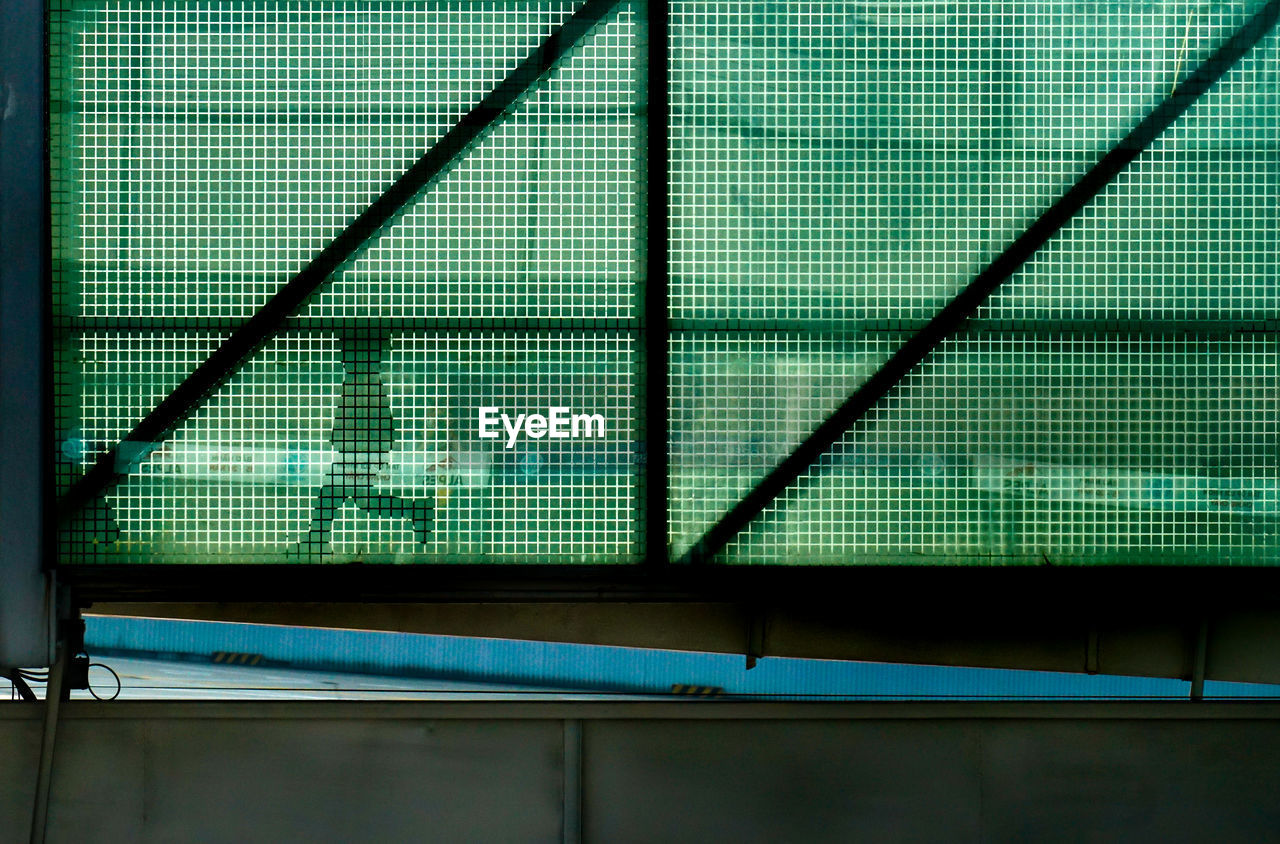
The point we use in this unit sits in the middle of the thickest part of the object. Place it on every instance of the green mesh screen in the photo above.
(203, 152)
(841, 169)
(838, 171)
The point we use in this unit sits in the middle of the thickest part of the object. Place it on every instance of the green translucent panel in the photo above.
(843, 161)
(1190, 230)
(843, 175)
(231, 152)
(537, 221)
(203, 153)
(1066, 448)
(838, 171)
(741, 401)
(226, 485)
(121, 375)
(242, 479)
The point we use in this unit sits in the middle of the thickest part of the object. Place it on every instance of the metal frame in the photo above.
(1170, 622)
(655, 332)
(254, 333)
(952, 317)
(902, 589)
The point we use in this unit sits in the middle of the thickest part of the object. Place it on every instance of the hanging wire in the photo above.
(96, 696)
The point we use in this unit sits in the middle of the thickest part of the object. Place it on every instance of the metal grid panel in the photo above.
(838, 170)
(1189, 231)
(887, 154)
(250, 477)
(204, 152)
(552, 498)
(538, 221)
(1059, 448)
(740, 401)
(217, 147)
(231, 481)
(844, 161)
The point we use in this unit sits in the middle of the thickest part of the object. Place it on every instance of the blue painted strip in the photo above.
(601, 668)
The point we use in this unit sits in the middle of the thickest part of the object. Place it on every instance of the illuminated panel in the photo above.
(740, 401)
(1115, 402)
(838, 171)
(1053, 448)
(845, 161)
(204, 152)
(243, 479)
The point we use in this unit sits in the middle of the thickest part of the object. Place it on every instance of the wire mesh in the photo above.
(838, 170)
(203, 153)
(844, 168)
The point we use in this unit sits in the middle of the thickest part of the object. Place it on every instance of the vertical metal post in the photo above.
(26, 600)
(1200, 661)
(655, 327)
(572, 781)
(53, 694)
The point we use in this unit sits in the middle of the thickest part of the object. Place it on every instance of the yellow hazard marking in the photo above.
(229, 658)
(701, 691)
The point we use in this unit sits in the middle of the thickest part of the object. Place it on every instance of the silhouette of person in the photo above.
(363, 434)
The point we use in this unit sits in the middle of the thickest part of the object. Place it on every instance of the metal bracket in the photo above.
(1201, 660)
(1091, 651)
(755, 636)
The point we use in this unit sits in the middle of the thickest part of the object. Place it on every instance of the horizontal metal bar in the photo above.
(409, 325)
(1207, 326)
(891, 589)
(691, 710)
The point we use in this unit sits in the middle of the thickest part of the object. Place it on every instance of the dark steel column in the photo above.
(26, 617)
(655, 330)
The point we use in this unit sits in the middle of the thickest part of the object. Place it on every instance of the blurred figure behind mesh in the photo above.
(363, 434)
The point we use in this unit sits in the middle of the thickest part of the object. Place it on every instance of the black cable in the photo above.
(113, 674)
(19, 688)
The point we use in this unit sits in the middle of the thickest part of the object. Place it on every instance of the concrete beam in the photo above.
(363, 771)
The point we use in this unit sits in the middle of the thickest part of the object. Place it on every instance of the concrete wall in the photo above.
(346, 772)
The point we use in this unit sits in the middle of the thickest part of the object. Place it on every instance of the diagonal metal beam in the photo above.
(254, 333)
(950, 319)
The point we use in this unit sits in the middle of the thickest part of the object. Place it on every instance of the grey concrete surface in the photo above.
(696, 771)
